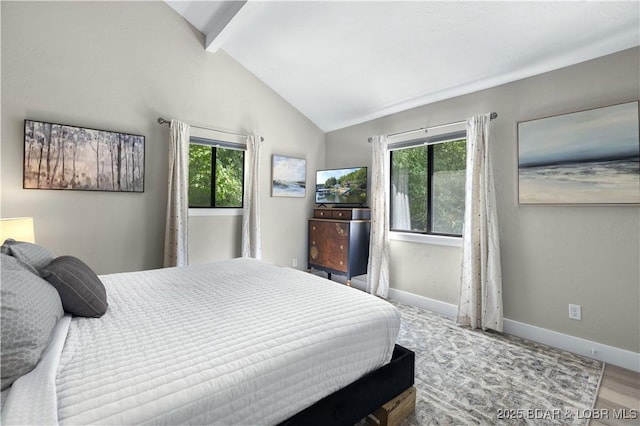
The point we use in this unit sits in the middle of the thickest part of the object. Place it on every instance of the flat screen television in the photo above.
(342, 186)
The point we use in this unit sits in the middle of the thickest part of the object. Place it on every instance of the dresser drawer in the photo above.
(341, 214)
(329, 256)
(321, 230)
(322, 213)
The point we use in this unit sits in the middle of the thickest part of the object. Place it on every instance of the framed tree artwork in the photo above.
(581, 158)
(58, 156)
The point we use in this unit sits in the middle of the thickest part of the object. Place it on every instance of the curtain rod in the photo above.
(493, 115)
(163, 121)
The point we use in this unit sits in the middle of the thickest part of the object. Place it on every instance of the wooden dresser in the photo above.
(339, 241)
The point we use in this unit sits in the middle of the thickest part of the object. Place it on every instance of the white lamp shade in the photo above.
(18, 228)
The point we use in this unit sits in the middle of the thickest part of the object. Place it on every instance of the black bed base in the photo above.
(362, 397)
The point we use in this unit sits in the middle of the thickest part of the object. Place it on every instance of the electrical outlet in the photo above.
(575, 312)
(294, 262)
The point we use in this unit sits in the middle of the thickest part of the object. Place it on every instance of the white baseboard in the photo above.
(609, 354)
(433, 305)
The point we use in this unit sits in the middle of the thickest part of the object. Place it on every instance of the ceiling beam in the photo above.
(220, 24)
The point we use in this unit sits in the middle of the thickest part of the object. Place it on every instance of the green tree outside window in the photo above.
(219, 186)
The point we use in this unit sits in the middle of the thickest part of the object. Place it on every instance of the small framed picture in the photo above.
(288, 177)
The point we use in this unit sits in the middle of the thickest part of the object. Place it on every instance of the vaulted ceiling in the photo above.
(341, 63)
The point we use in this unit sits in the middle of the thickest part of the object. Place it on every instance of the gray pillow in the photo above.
(30, 309)
(31, 254)
(81, 291)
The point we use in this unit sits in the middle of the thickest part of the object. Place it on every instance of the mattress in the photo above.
(234, 342)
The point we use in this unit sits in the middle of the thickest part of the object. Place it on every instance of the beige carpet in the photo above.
(466, 377)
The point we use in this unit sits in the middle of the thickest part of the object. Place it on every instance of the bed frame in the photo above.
(392, 384)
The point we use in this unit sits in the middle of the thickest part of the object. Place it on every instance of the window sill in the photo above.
(215, 212)
(439, 240)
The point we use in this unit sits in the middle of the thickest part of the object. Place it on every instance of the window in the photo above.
(427, 185)
(216, 174)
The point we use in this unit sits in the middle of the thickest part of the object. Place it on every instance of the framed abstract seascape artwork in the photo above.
(581, 158)
(58, 156)
(288, 177)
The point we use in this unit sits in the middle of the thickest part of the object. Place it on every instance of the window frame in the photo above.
(215, 144)
(428, 236)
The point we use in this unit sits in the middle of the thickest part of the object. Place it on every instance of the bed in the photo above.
(234, 342)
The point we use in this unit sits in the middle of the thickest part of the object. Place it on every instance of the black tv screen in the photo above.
(342, 186)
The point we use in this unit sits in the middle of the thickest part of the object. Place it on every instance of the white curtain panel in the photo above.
(378, 267)
(401, 218)
(251, 242)
(176, 230)
(480, 303)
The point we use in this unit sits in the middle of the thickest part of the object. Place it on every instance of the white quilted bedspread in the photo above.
(239, 342)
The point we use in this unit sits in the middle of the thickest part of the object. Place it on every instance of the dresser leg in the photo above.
(348, 283)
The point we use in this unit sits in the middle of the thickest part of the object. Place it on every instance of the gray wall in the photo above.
(551, 256)
(118, 66)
